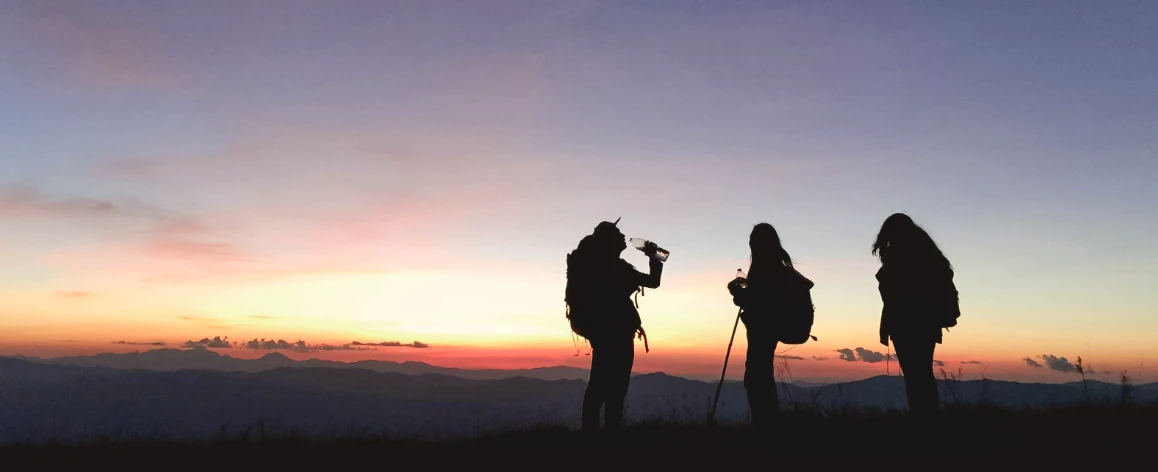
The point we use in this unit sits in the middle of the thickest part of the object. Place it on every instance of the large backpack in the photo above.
(576, 296)
(585, 306)
(582, 297)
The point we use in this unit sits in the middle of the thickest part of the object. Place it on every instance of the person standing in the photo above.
(766, 297)
(600, 308)
(919, 299)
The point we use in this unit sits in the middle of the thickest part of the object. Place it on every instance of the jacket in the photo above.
(605, 295)
(918, 300)
(765, 294)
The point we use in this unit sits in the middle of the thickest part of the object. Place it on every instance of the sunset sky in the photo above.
(371, 171)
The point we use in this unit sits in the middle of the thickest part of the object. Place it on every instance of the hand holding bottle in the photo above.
(650, 249)
(738, 283)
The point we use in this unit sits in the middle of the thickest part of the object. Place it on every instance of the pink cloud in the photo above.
(338, 196)
(91, 46)
(129, 167)
(194, 250)
(282, 200)
(203, 321)
(28, 201)
(190, 239)
(73, 294)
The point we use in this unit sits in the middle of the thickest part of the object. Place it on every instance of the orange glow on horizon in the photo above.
(701, 363)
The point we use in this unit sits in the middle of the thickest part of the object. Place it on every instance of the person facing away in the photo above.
(919, 299)
(771, 277)
(612, 321)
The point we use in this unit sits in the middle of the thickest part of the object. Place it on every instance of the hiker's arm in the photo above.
(739, 294)
(886, 298)
(650, 280)
(884, 333)
(656, 271)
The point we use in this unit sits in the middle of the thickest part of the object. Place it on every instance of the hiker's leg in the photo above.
(596, 393)
(772, 395)
(916, 359)
(623, 358)
(910, 374)
(932, 394)
(759, 375)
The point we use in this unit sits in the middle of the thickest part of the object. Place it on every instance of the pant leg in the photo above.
(596, 393)
(916, 359)
(622, 359)
(760, 376)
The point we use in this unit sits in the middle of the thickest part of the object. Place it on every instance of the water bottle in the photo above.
(742, 278)
(660, 253)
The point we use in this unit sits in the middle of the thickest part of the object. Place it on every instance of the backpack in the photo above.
(575, 295)
(583, 304)
(794, 319)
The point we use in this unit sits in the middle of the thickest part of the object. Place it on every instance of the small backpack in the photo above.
(794, 319)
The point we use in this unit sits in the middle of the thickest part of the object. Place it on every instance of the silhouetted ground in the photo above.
(972, 435)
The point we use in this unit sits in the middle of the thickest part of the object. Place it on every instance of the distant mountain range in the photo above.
(194, 394)
(169, 359)
(166, 360)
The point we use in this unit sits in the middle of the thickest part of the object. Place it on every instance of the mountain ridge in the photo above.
(46, 401)
(171, 359)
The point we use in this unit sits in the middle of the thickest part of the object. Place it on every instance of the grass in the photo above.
(963, 433)
(1095, 430)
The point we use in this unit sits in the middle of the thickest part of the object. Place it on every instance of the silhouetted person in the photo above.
(771, 277)
(919, 299)
(600, 286)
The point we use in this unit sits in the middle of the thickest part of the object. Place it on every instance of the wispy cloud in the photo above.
(190, 240)
(938, 363)
(363, 211)
(1032, 363)
(200, 251)
(300, 346)
(93, 47)
(203, 321)
(414, 344)
(73, 294)
(27, 201)
(972, 362)
(133, 343)
(219, 342)
(170, 241)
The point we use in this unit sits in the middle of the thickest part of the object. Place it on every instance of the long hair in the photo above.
(902, 240)
(766, 249)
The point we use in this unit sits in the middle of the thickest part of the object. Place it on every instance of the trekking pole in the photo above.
(716, 399)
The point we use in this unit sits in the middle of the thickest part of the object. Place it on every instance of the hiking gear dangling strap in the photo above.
(574, 340)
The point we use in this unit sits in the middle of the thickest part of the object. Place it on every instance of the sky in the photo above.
(413, 173)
